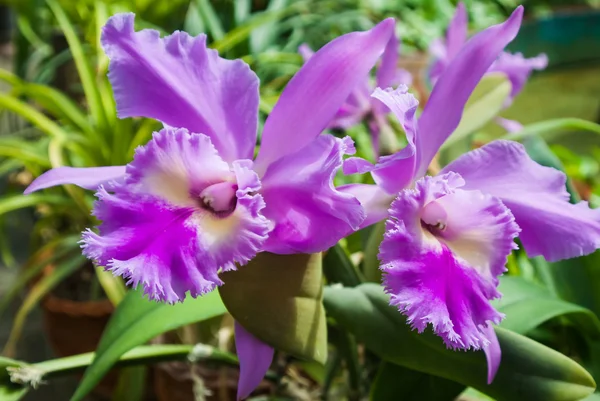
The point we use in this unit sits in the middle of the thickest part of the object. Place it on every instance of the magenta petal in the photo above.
(179, 81)
(441, 254)
(537, 197)
(456, 36)
(255, 358)
(301, 199)
(373, 199)
(386, 73)
(511, 126)
(518, 68)
(445, 106)
(88, 178)
(318, 91)
(395, 172)
(305, 52)
(158, 227)
(493, 354)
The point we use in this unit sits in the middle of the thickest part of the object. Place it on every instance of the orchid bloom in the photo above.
(448, 237)
(516, 67)
(193, 203)
(359, 105)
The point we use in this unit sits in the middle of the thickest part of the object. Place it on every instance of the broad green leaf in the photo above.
(338, 268)
(395, 382)
(371, 260)
(577, 280)
(137, 320)
(529, 370)
(485, 103)
(528, 305)
(278, 299)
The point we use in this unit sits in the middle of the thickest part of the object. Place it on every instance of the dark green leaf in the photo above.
(529, 370)
(528, 305)
(395, 381)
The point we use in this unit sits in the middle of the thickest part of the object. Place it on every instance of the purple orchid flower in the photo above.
(193, 203)
(359, 105)
(516, 67)
(448, 237)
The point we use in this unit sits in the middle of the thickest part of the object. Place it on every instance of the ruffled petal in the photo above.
(158, 229)
(88, 178)
(301, 199)
(182, 83)
(255, 358)
(536, 195)
(373, 199)
(444, 108)
(443, 274)
(395, 172)
(318, 90)
(518, 69)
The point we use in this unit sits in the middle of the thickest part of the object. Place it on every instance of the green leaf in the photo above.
(278, 299)
(529, 370)
(15, 202)
(84, 68)
(210, 19)
(371, 260)
(137, 320)
(142, 355)
(46, 255)
(393, 381)
(53, 100)
(338, 268)
(243, 31)
(550, 128)
(486, 101)
(528, 305)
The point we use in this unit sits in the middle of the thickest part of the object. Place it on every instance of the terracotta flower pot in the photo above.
(75, 327)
